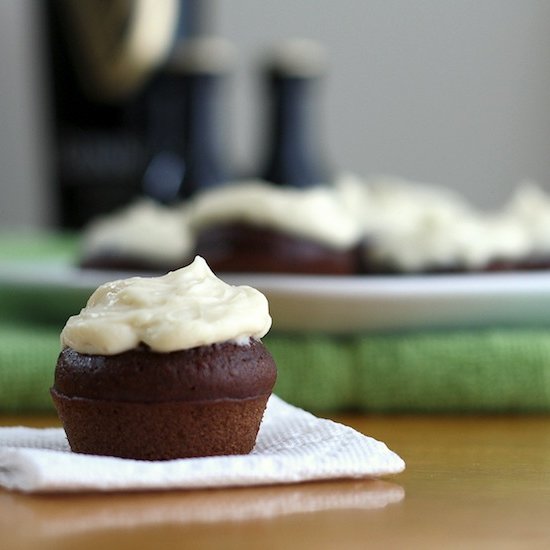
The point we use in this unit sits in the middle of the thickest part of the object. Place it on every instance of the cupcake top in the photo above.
(183, 309)
(412, 226)
(530, 207)
(144, 229)
(316, 213)
(387, 203)
(442, 242)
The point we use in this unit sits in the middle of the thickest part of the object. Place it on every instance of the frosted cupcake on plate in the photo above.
(254, 226)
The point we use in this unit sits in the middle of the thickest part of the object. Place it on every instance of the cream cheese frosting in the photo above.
(530, 205)
(386, 203)
(144, 229)
(413, 226)
(316, 213)
(442, 243)
(183, 309)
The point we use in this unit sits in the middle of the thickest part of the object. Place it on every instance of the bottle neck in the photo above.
(203, 166)
(294, 157)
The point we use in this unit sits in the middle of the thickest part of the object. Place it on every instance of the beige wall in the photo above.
(445, 91)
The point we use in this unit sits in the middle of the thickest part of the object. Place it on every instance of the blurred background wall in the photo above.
(454, 93)
(441, 91)
(25, 193)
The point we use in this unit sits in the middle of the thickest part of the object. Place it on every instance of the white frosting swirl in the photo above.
(412, 226)
(144, 229)
(316, 213)
(530, 205)
(386, 203)
(183, 309)
(466, 242)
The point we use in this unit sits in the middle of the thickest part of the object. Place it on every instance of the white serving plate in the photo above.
(333, 304)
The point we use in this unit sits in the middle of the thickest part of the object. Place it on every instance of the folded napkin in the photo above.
(292, 446)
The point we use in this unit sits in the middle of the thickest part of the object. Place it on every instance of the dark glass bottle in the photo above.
(293, 151)
(187, 121)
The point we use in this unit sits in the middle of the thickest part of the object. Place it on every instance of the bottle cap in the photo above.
(203, 55)
(298, 57)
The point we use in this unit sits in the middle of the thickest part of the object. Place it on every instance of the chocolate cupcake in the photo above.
(258, 227)
(165, 367)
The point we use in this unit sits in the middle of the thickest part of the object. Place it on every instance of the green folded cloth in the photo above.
(27, 361)
(498, 370)
(477, 370)
(31, 245)
(490, 370)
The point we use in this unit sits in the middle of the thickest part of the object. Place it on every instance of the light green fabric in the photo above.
(30, 245)
(490, 370)
(314, 372)
(29, 334)
(503, 370)
(27, 362)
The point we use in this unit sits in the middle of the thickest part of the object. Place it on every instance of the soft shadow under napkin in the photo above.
(292, 446)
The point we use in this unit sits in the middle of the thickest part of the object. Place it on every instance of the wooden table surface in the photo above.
(470, 483)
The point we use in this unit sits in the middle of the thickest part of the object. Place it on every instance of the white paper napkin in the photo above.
(292, 446)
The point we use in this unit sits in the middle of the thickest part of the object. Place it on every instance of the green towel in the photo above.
(489, 370)
(499, 369)
(29, 245)
(27, 361)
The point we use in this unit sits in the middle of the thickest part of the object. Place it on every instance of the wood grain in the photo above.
(471, 482)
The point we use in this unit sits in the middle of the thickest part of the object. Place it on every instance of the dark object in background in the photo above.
(293, 153)
(186, 122)
(101, 136)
